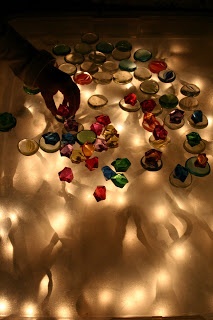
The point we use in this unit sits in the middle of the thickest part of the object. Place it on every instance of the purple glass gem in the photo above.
(51, 138)
(100, 145)
(66, 151)
(180, 172)
(108, 172)
(176, 116)
(197, 116)
(66, 174)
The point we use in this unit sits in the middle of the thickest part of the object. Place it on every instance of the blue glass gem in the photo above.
(127, 65)
(142, 55)
(180, 172)
(108, 172)
(121, 164)
(193, 139)
(68, 138)
(51, 138)
(166, 76)
(197, 116)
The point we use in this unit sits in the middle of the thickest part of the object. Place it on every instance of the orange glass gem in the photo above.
(88, 149)
(149, 121)
(201, 160)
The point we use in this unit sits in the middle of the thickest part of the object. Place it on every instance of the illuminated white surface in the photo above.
(144, 251)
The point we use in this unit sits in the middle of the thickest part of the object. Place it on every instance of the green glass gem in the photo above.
(123, 46)
(193, 138)
(104, 47)
(119, 180)
(31, 91)
(142, 55)
(121, 164)
(7, 121)
(168, 101)
(61, 49)
(127, 65)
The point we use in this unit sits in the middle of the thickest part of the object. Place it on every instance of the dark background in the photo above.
(108, 7)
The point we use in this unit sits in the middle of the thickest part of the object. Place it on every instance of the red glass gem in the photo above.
(63, 110)
(201, 160)
(97, 128)
(82, 78)
(66, 174)
(159, 132)
(152, 156)
(148, 105)
(103, 119)
(91, 163)
(155, 66)
(149, 121)
(100, 193)
(130, 98)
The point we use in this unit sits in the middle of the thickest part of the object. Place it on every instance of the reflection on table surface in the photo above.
(143, 251)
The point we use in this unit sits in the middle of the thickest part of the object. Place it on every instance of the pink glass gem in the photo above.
(155, 66)
(97, 128)
(103, 119)
(88, 149)
(63, 110)
(130, 98)
(148, 105)
(100, 193)
(91, 163)
(66, 151)
(100, 145)
(66, 174)
(201, 160)
(149, 121)
(159, 132)
(82, 78)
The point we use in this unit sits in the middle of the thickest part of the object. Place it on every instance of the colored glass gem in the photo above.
(112, 142)
(82, 78)
(109, 131)
(68, 138)
(108, 172)
(64, 111)
(160, 132)
(100, 145)
(149, 121)
(66, 151)
(103, 119)
(149, 86)
(97, 128)
(201, 160)
(100, 193)
(51, 138)
(90, 37)
(61, 49)
(152, 157)
(71, 125)
(190, 90)
(88, 149)
(66, 174)
(127, 65)
(197, 116)
(31, 90)
(142, 55)
(91, 163)
(180, 172)
(176, 116)
(157, 65)
(119, 180)
(148, 105)
(121, 164)
(166, 76)
(168, 101)
(105, 47)
(86, 136)
(193, 138)
(130, 98)
(7, 121)
(123, 45)
(77, 156)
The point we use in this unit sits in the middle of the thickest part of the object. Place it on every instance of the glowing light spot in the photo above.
(163, 279)
(119, 127)
(130, 237)
(13, 218)
(160, 213)
(160, 311)
(63, 311)
(59, 222)
(105, 297)
(43, 286)
(179, 252)
(4, 306)
(29, 309)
